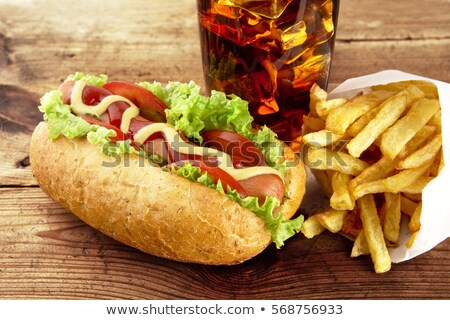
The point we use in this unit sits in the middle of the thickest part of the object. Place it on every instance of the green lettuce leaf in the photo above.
(192, 112)
(60, 119)
(280, 229)
(271, 148)
(100, 135)
(88, 78)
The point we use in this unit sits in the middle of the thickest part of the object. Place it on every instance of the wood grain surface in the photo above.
(46, 253)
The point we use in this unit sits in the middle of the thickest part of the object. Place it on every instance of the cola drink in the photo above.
(269, 53)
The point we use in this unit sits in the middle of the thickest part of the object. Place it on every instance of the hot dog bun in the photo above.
(154, 211)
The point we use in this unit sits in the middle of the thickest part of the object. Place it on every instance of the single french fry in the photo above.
(324, 107)
(391, 227)
(341, 199)
(411, 239)
(313, 124)
(388, 114)
(419, 138)
(379, 170)
(374, 234)
(437, 165)
(414, 223)
(396, 183)
(416, 197)
(423, 155)
(326, 159)
(321, 138)
(396, 137)
(339, 119)
(362, 122)
(417, 186)
(316, 94)
(407, 206)
(332, 220)
(360, 247)
(312, 227)
(382, 214)
(436, 120)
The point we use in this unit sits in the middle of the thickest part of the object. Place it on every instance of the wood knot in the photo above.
(25, 162)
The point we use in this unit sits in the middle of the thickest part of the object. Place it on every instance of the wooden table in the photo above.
(46, 253)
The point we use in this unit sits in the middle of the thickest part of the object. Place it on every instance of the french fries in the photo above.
(399, 134)
(423, 155)
(392, 218)
(360, 247)
(388, 114)
(341, 198)
(374, 155)
(374, 234)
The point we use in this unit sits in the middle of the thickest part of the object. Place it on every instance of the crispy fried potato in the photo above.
(324, 107)
(437, 165)
(414, 223)
(396, 183)
(332, 220)
(411, 239)
(341, 199)
(407, 206)
(388, 114)
(312, 227)
(396, 137)
(391, 225)
(326, 159)
(419, 138)
(352, 224)
(417, 186)
(394, 143)
(316, 94)
(423, 155)
(321, 138)
(340, 119)
(362, 122)
(436, 120)
(360, 247)
(379, 170)
(374, 234)
(313, 123)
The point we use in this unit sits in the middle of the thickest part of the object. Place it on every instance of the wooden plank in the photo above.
(428, 58)
(365, 20)
(142, 41)
(46, 253)
(18, 117)
(164, 44)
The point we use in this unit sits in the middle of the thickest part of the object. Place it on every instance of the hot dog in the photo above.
(167, 170)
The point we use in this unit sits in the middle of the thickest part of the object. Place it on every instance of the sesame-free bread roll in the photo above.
(152, 210)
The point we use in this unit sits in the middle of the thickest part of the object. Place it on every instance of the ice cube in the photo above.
(294, 36)
(271, 9)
